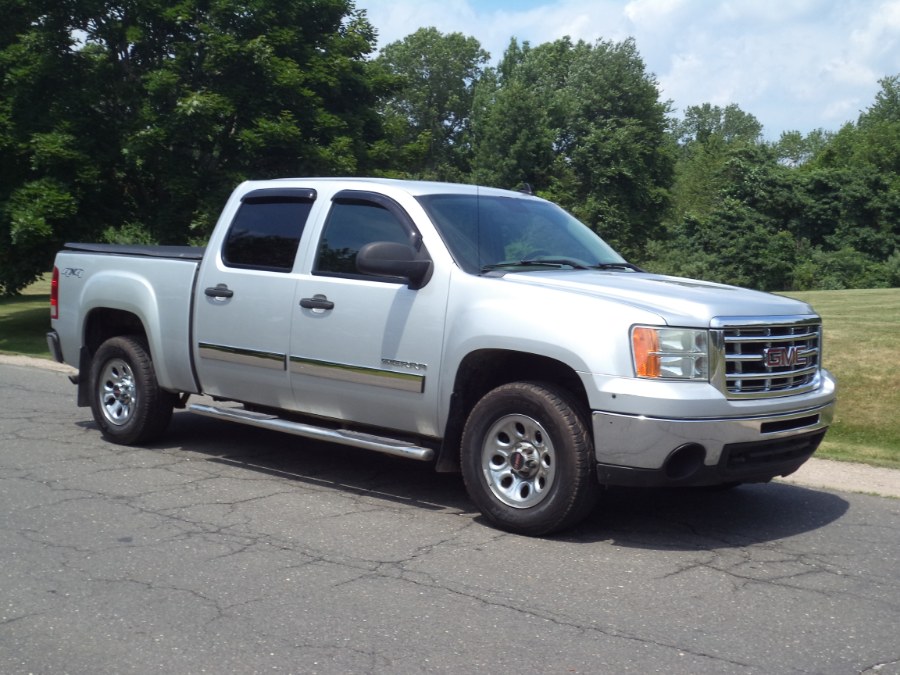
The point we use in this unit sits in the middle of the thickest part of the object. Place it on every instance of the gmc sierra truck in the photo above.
(483, 330)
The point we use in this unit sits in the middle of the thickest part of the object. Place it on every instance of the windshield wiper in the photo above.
(561, 262)
(617, 266)
(543, 262)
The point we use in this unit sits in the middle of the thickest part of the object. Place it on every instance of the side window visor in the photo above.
(266, 230)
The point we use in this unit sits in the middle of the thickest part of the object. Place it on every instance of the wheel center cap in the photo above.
(523, 461)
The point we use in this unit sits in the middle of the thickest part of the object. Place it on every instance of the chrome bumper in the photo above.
(638, 450)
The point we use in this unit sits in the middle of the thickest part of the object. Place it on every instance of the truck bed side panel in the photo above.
(158, 291)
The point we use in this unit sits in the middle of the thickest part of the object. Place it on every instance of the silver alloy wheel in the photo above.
(518, 461)
(117, 392)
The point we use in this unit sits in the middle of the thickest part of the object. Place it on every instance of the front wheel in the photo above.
(527, 459)
(126, 401)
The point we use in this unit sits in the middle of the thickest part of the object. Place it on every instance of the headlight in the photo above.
(670, 353)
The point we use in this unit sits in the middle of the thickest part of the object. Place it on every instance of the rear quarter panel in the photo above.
(157, 291)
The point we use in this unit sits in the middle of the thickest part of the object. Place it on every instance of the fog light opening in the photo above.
(685, 461)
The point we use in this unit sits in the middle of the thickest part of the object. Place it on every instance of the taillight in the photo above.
(54, 294)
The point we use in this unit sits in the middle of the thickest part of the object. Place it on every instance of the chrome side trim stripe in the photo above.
(358, 374)
(244, 357)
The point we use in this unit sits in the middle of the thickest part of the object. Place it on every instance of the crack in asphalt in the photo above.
(224, 501)
(878, 667)
(368, 569)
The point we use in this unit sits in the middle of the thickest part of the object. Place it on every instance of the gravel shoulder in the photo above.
(816, 473)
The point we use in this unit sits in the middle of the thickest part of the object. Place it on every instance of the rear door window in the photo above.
(266, 230)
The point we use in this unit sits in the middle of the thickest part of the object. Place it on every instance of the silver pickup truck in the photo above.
(483, 330)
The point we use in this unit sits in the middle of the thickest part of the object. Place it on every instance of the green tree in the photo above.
(814, 211)
(428, 114)
(855, 182)
(886, 107)
(707, 137)
(740, 235)
(794, 149)
(706, 122)
(47, 168)
(136, 117)
(585, 126)
(513, 127)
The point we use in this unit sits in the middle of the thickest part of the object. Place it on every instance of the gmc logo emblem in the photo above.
(784, 357)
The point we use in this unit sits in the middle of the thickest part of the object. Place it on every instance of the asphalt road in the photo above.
(230, 549)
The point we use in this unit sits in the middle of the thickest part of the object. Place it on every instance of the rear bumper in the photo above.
(54, 346)
(643, 451)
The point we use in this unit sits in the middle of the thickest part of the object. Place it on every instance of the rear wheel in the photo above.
(527, 459)
(126, 401)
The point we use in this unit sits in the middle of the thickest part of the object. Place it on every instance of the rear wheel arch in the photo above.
(101, 324)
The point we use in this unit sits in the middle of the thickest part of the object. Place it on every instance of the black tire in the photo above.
(528, 459)
(126, 401)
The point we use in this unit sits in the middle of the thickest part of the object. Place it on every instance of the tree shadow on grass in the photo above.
(24, 331)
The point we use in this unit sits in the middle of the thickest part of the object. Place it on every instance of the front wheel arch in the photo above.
(486, 369)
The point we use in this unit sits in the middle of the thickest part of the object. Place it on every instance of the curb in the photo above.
(32, 362)
(846, 477)
(816, 473)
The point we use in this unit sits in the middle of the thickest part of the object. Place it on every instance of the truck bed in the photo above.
(140, 250)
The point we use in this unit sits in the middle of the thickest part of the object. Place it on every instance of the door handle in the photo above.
(317, 301)
(219, 291)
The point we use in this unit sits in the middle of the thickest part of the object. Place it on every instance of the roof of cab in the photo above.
(413, 187)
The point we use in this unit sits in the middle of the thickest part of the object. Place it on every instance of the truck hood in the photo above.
(678, 301)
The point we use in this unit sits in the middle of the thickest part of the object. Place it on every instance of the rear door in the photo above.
(363, 348)
(244, 305)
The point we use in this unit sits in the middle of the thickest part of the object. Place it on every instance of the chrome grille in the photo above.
(777, 359)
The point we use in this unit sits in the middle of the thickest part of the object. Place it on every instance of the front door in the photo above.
(367, 349)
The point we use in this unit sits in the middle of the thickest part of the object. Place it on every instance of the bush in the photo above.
(844, 268)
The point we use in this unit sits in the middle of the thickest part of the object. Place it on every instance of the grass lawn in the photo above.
(25, 320)
(862, 349)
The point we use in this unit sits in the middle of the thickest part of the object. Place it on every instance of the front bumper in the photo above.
(645, 451)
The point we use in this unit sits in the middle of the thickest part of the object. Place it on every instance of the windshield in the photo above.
(491, 232)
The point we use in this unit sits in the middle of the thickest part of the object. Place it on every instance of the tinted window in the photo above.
(265, 234)
(351, 226)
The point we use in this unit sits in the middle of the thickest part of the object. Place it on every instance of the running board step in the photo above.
(356, 439)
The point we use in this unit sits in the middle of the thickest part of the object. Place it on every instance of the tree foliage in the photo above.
(135, 118)
(428, 114)
(814, 211)
(706, 123)
(583, 125)
(131, 120)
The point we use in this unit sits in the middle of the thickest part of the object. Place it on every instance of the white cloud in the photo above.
(794, 64)
(879, 36)
(842, 111)
(653, 13)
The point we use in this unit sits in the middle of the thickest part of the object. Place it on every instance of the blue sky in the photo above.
(794, 64)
